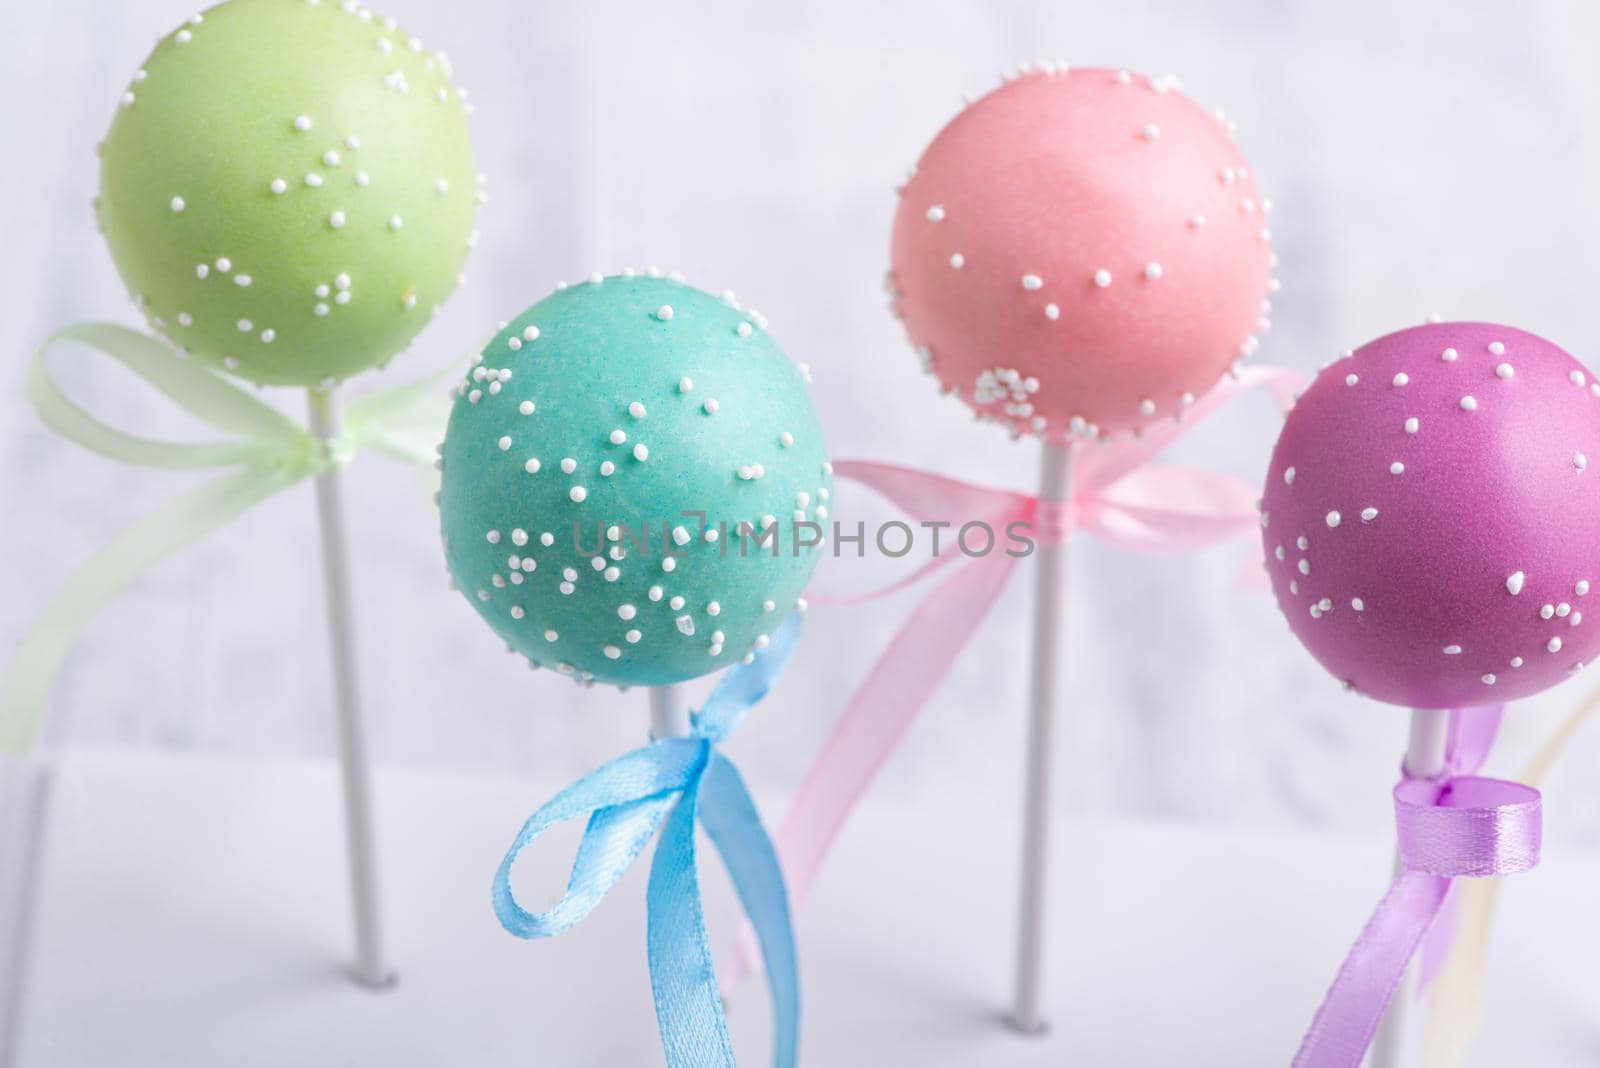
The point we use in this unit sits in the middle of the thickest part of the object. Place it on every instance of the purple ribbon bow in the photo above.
(1449, 825)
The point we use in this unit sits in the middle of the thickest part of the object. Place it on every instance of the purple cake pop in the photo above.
(1430, 525)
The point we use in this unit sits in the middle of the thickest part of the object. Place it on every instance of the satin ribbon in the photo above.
(267, 453)
(676, 781)
(1455, 997)
(1449, 825)
(1118, 496)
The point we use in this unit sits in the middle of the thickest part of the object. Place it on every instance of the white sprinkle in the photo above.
(1448, 355)
(1505, 370)
(1397, 468)
(526, 407)
(494, 537)
(279, 186)
(618, 437)
(1152, 270)
(685, 385)
(568, 464)
(1452, 650)
(641, 453)
(744, 330)
(713, 609)
(1413, 425)
(1147, 407)
(1547, 612)
(505, 443)
(1580, 461)
(676, 603)
(936, 213)
(1288, 476)
(578, 493)
(637, 410)
(607, 468)
(1052, 312)
(185, 319)
(302, 123)
(664, 313)
(1351, 380)
(1305, 567)
(336, 220)
(1368, 514)
(224, 264)
(711, 406)
(1469, 403)
(396, 222)
(1358, 604)
(685, 624)
(1516, 661)
(626, 611)
(1497, 348)
(957, 260)
(1563, 609)
(613, 652)
(1401, 379)
(363, 179)
(1488, 679)
(245, 326)
(680, 535)
(1554, 645)
(1102, 278)
(1333, 519)
(786, 439)
(1581, 588)
(1031, 281)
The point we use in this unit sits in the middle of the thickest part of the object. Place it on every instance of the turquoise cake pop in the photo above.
(635, 488)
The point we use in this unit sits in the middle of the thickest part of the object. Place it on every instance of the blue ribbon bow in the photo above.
(677, 780)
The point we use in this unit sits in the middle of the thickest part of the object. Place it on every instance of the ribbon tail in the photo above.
(1349, 1016)
(182, 522)
(734, 824)
(625, 800)
(694, 1032)
(872, 724)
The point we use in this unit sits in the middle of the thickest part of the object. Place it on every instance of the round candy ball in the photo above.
(288, 188)
(634, 482)
(1081, 252)
(1431, 524)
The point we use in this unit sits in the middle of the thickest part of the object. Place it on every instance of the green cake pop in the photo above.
(288, 188)
(582, 447)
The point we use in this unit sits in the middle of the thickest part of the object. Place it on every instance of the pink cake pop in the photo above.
(1430, 525)
(1081, 252)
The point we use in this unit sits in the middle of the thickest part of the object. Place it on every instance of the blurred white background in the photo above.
(1427, 157)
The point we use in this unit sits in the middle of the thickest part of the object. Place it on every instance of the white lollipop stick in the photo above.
(1425, 756)
(1049, 619)
(371, 964)
(25, 784)
(669, 715)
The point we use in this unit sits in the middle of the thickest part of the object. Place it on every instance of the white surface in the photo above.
(1422, 157)
(355, 763)
(1039, 757)
(192, 915)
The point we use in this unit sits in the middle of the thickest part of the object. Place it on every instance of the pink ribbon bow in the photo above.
(1117, 496)
(1452, 824)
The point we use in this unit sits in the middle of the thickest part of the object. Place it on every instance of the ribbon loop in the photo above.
(270, 453)
(1468, 826)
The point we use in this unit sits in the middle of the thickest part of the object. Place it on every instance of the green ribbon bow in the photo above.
(269, 453)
